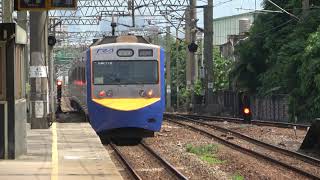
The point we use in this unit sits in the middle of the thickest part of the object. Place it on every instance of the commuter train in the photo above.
(119, 83)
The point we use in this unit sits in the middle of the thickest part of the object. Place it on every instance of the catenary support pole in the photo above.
(188, 61)
(168, 68)
(208, 52)
(305, 7)
(38, 70)
(190, 36)
(7, 9)
(177, 70)
(51, 72)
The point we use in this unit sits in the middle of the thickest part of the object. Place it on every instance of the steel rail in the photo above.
(163, 161)
(245, 150)
(239, 120)
(303, 157)
(125, 162)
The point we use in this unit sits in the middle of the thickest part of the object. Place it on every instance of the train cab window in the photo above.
(125, 72)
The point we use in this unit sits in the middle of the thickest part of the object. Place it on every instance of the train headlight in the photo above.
(150, 93)
(142, 93)
(109, 93)
(102, 93)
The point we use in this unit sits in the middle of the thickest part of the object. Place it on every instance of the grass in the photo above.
(207, 153)
(237, 177)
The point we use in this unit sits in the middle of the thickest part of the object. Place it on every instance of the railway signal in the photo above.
(247, 114)
(193, 47)
(59, 95)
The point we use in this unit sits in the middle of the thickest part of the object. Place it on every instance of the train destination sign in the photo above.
(42, 5)
(31, 4)
(63, 4)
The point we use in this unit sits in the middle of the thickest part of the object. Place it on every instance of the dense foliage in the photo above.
(282, 56)
(221, 68)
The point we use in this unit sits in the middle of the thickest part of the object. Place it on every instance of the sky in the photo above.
(230, 7)
(221, 8)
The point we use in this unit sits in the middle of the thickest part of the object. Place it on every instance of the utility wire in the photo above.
(276, 27)
(284, 10)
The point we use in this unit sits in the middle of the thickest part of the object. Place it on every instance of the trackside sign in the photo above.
(44, 5)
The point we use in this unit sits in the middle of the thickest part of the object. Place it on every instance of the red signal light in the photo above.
(59, 83)
(102, 93)
(246, 111)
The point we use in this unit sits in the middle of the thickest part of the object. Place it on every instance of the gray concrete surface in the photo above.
(66, 151)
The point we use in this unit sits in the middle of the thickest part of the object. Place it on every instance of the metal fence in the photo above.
(228, 103)
(271, 108)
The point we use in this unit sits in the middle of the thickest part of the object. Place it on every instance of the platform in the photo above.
(66, 151)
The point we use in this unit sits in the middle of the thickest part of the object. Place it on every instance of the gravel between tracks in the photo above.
(124, 173)
(171, 144)
(146, 165)
(286, 138)
(275, 155)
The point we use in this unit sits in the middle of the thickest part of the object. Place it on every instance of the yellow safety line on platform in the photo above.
(54, 151)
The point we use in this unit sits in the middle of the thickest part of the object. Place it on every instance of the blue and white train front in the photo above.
(126, 89)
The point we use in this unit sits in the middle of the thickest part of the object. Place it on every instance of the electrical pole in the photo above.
(177, 70)
(168, 68)
(188, 62)
(51, 72)
(7, 9)
(113, 26)
(305, 7)
(132, 13)
(191, 24)
(39, 70)
(208, 51)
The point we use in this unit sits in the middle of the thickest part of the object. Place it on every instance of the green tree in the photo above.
(221, 70)
(280, 57)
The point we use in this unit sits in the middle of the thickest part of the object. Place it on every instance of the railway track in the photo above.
(296, 162)
(137, 171)
(239, 120)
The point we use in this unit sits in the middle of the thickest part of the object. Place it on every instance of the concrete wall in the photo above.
(13, 123)
(20, 127)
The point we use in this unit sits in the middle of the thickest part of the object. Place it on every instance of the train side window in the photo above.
(2, 73)
(79, 74)
(83, 74)
(73, 75)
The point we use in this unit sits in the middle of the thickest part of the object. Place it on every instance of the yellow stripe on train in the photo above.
(126, 104)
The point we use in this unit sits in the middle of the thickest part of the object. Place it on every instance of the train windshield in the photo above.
(125, 72)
